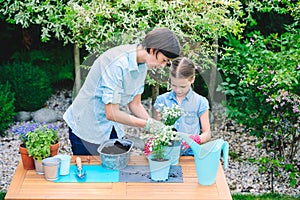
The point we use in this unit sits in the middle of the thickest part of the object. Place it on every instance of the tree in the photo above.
(97, 24)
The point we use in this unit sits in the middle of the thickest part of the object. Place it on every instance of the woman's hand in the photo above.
(153, 126)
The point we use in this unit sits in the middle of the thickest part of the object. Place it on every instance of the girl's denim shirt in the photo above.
(193, 106)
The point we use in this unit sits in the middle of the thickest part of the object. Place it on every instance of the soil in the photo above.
(160, 159)
(117, 148)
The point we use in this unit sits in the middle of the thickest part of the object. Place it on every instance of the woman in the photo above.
(117, 78)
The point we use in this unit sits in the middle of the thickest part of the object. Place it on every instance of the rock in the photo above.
(23, 116)
(45, 115)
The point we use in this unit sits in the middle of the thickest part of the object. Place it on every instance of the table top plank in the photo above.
(26, 184)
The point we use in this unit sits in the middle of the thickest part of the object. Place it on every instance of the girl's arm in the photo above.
(205, 126)
(157, 115)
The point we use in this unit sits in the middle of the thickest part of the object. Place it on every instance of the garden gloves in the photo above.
(154, 126)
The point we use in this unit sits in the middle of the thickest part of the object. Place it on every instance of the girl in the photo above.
(195, 106)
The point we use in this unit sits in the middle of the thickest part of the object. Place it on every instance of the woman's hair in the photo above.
(162, 40)
(183, 68)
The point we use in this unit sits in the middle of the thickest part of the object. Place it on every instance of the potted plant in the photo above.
(169, 115)
(35, 138)
(159, 159)
(21, 131)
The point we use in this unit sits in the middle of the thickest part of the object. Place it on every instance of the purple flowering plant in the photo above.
(22, 130)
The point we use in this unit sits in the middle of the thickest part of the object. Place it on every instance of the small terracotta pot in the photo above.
(54, 149)
(27, 160)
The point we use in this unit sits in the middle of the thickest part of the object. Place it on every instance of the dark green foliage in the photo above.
(30, 84)
(2, 195)
(271, 196)
(57, 62)
(7, 109)
(261, 81)
(271, 22)
(10, 39)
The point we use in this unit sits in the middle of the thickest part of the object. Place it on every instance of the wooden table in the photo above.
(26, 184)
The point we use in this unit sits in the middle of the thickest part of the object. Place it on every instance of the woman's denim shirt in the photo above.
(193, 105)
(116, 78)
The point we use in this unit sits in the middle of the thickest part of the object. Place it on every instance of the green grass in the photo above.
(263, 197)
(2, 195)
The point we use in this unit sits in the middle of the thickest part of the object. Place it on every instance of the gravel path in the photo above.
(242, 175)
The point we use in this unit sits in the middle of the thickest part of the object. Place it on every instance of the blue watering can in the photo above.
(207, 157)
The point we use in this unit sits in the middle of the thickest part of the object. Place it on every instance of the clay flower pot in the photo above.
(27, 160)
(38, 162)
(54, 149)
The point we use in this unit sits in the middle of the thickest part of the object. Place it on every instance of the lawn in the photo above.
(263, 197)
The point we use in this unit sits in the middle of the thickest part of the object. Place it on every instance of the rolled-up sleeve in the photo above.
(112, 85)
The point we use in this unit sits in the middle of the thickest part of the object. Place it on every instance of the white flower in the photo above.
(169, 115)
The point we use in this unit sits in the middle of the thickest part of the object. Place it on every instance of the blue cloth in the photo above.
(116, 78)
(133, 173)
(94, 173)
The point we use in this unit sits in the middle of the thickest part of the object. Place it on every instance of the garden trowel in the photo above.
(80, 173)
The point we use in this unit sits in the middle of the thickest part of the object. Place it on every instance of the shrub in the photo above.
(30, 84)
(262, 78)
(57, 63)
(2, 195)
(7, 109)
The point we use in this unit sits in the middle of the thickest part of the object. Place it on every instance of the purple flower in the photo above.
(22, 130)
(296, 109)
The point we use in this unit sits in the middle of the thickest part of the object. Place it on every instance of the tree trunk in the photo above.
(77, 84)
(213, 77)
(155, 93)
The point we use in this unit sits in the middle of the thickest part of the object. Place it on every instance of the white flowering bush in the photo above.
(169, 115)
(156, 144)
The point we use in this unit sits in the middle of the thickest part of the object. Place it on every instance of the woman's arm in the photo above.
(114, 113)
(205, 126)
(136, 107)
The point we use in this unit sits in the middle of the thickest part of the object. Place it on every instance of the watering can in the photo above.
(207, 157)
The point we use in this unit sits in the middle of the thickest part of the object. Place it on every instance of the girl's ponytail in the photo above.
(198, 69)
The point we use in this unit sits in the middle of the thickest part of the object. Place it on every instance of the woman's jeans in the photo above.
(82, 147)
